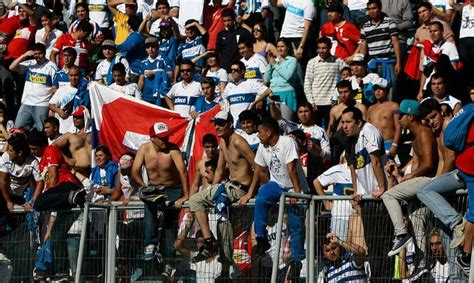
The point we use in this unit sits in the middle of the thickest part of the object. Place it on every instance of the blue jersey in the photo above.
(188, 50)
(167, 51)
(133, 49)
(62, 78)
(156, 85)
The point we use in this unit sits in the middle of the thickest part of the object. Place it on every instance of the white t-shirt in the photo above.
(271, 236)
(357, 4)
(188, 9)
(219, 76)
(38, 82)
(20, 174)
(255, 66)
(251, 139)
(370, 140)
(447, 48)
(104, 66)
(467, 22)
(276, 158)
(49, 44)
(441, 5)
(450, 100)
(184, 96)
(440, 272)
(99, 12)
(296, 12)
(320, 135)
(61, 98)
(241, 95)
(129, 89)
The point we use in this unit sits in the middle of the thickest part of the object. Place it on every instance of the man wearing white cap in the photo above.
(236, 155)
(166, 183)
(383, 117)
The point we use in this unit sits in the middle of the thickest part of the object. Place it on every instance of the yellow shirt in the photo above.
(123, 29)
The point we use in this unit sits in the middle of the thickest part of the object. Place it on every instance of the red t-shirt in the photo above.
(21, 41)
(213, 23)
(465, 160)
(52, 156)
(83, 48)
(345, 38)
(10, 25)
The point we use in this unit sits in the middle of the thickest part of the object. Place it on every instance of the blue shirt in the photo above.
(167, 51)
(133, 49)
(156, 85)
(188, 50)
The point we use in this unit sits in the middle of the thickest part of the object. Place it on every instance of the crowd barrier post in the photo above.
(82, 243)
(281, 210)
(111, 239)
(311, 247)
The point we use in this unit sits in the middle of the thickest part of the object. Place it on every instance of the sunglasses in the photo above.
(235, 70)
(185, 70)
(257, 30)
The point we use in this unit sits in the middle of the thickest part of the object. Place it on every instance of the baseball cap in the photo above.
(108, 42)
(126, 161)
(159, 130)
(358, 58)
(222, 117)
(380, 83)
(408, 106)
(79, 111)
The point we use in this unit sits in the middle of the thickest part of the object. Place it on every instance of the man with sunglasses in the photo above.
(183, 95)
(167, 184)
(235, 155)
(426, 155)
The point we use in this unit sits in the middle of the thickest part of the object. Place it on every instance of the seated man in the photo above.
(209, 143)
(248, 128)
(121, 84)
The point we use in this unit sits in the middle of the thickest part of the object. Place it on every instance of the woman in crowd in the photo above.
(213, 70)
(261, 46)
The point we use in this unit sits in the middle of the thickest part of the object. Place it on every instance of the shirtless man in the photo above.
(424, 148)
(382, 116)
(167, 184)
(209, 143)
(238, 158)
(346, 98)
(79, 144)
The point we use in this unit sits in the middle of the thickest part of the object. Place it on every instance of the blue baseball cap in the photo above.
(409, 106)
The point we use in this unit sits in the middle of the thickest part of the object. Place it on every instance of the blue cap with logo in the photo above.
(409, 106)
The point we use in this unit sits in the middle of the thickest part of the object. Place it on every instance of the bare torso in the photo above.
(160, 167)
(418, 143)
(240, 169)
(80, 146)
(381, 116)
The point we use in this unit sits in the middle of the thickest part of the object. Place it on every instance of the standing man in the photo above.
(277, 164)
(167, 182)
(51, 129)
(82, 12)
(228, 38)
(322, 73)
(36, 93)
(122, 29)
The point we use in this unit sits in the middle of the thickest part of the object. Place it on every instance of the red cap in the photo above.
(159, 130)
(79, 111)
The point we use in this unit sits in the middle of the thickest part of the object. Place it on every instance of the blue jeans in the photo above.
(159, 220)
(469, 180)
(30, 116)
(268, 195)
(431, 196)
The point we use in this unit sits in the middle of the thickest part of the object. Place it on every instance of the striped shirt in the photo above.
(321, 79)
(379, 37)
(348, 271)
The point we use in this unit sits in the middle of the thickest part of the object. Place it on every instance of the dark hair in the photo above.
(270, 124)
(345, 84)
(37, 138)
(356, 113)
(263, 29)
(376, 2)
(209, 138)
(134, 22)
(438, 24)
(287, 43)
(211, 163)
(104, 149)
(336, 7)
(248, 115)
(19, 143)
(346, 69)
(52, 120)
(208, 80)
(228, 12)
(38, 47)
(193, 28)
(438, 75)
(240, 63)
(426, 4)
(47, 14)
(305, 104)
(324, 40)
(299, 134)
(119, 67)
(83, 5)
(471, 86)
(248, 43)
(71, 51)
(427, 106)
(187, 62)
(212, 53)
(162, 2)
(85, 26)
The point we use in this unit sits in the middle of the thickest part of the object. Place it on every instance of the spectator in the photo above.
(248, 128)
(323, 12)
(438, 88)
(255, 64)
(297, 24)
(5, 127)
(183, 95)
(443, 10)
(400, 12)
(103, 72)
(358, 11)
(36, 93)
(104, 175)
(361, 81)
(344, 35)
(193, 44)
(252, 12)
(48, 34)
(82, 12)
(133, 48)
(426, 17)
(153, 80)
(281, 74)
(213, 70)
(51, 129)
(99, 13)
(383, 116)
(227, 41)
(122, 29)
(209, 144)
(466, 37)
(121, 84)
(322, 73)
(168, 45)
(160, 15)
(260, 40)
(208, 99)
(440, 267)
(243, 94)
(380, 41)
(77, 40)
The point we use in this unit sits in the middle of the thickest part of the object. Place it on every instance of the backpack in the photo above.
(456, 132)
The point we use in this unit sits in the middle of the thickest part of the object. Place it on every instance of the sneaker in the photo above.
(79, 198)
(207, 251)
(4, 259)
(150, 252)
(417, 273)
(262, 246)
(234, 272)
(38, 274)
(399, 243)
(294, 270)
(458, 236)
(60, 277)
(464, 262)
(168, 271)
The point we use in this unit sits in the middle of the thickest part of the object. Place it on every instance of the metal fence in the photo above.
(105, 243)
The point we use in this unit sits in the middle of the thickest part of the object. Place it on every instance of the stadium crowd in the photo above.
(355, 96)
